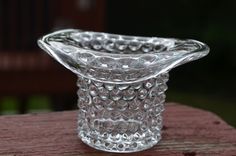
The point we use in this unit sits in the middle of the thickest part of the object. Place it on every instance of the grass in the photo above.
(9, 105)
(39, 103)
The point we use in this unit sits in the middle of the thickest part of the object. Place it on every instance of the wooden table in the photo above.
(187, 132)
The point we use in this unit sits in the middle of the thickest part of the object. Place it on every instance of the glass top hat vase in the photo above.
(121, 83)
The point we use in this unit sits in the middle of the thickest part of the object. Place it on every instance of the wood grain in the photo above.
(187, 132)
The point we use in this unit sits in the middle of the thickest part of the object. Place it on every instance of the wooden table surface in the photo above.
(187, 132)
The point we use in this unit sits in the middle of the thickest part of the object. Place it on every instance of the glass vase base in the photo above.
(107, 142)
(121, 118)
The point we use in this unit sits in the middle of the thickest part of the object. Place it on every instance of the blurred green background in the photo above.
(209, 83)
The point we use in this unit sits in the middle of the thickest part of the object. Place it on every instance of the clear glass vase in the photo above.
(121, 83)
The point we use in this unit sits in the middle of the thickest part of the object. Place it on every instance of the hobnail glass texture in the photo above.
(121, 83)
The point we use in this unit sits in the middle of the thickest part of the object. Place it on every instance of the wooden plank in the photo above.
(187, 132)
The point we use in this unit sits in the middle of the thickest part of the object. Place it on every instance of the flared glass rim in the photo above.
(196, 46)
(106, 66)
